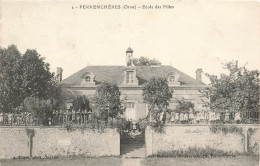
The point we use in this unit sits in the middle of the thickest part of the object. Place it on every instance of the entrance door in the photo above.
(130, 112)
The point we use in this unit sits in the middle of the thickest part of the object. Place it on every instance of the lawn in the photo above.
(153, 161)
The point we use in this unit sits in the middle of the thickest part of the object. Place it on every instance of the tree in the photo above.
(10, 79)
(136, 62)
(39, 108)
(158, 95)
(38, 81)
(81, 103)
(107, 100)
(23, 76)
(144, 61)
(184, 106)
(153, 61)
(236, 91)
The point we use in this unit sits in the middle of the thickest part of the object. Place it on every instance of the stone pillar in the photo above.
(149, 141)
(245, 133)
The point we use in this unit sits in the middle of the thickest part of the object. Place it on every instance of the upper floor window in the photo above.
(129, 77)
(171, 79)
(87, 78)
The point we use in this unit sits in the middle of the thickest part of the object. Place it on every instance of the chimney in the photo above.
(198, 75)
(59, 74)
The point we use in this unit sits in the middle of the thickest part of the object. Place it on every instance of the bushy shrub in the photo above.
(158, 126)
(143, 123)
(225, 129)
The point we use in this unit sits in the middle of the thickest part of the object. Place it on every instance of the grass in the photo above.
(196, 152)
(151, 161)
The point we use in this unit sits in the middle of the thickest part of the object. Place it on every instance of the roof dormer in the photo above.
(87, 79)
(130, 76)
(173, 79)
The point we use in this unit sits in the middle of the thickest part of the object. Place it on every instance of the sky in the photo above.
(195, 34)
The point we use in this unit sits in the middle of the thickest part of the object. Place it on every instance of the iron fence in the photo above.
(59, 118)
(210, 117)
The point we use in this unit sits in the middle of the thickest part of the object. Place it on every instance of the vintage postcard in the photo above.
(147, 82)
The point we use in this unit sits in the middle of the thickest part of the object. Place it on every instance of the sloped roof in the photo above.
(129, 49)
(115, 74)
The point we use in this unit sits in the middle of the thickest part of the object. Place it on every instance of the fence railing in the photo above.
(204, 117)
(26, 119)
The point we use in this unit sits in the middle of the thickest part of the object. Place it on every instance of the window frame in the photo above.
(131, 104)
(129, 77)
(171, 78)
(87, 78)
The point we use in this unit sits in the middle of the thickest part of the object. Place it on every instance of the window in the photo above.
(130, 112)
(171, 79)
(130, 105)
(129, 77)
(87, 78)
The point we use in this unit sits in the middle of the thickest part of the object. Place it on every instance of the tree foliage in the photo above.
(184, 106)
(81, 103)
(39, 108)
(23, 76)
(144, 61)
(107, 99)
(158, 95)
(236, 91)
(10, 79)
(38, 81)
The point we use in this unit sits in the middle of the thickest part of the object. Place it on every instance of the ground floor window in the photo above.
(130, 112)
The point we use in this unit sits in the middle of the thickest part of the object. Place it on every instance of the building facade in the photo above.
(130, 80)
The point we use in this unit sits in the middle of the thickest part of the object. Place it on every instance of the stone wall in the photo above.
(181, 137)
(14, 142)
(253, 140)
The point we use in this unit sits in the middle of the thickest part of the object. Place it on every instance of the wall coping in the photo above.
(48, 127)
(31, 127)
(186, 125)
(167, 125)
(212, 124)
